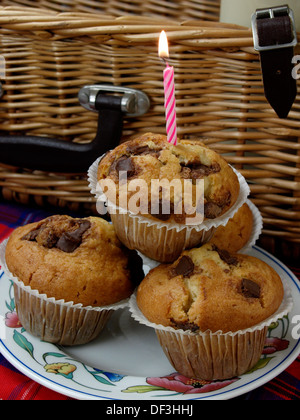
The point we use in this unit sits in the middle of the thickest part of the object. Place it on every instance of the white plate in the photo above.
(126, 361)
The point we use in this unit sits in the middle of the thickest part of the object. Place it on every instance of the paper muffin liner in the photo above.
(214, 355)
(160, 244)
(57, 321)
(161, 241)
(149, 264)
(257, 227)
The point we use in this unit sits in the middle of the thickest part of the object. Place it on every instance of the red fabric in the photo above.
(16, 386)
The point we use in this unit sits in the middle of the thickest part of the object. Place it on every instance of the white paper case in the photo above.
(256, 229)
(149, 264)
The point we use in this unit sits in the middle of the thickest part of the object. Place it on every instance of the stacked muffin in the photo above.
(209, 309)
(190, 216)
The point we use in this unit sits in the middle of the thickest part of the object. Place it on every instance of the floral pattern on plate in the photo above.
(59, 364)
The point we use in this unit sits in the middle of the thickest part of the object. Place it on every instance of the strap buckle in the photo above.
(272, 13)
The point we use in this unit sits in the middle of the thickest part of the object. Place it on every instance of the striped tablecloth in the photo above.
(16, 386)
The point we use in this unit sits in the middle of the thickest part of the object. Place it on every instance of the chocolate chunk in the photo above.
(41, 235)
(70, 241)
(49, 237)
(185, 267)
(226, 256)
(67, 243)
(31, 236)
(186, 173)
(212, 210)
(50, 241)
(124, 164)
(250, 289)
(143, 150)
(138, 150)
(185, 326)
(199, 170)
(226, 200)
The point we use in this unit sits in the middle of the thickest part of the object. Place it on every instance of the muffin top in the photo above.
(235, 235)
(210, 289)
(78, 260)
(150, 157)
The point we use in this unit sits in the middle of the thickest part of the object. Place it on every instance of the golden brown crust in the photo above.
(150, 157)
(96, 273)
(235, 235)
(219, 291)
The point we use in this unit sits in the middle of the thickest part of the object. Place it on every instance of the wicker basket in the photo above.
(185, 9)
(219, 93)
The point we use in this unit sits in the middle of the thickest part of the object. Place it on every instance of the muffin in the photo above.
(71, 274)
(151, 157)
(209, 309)
(172, 218)
(236, 234)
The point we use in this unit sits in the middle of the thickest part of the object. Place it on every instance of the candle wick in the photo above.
(165, 61)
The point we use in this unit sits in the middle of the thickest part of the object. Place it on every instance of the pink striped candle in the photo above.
(169, 89)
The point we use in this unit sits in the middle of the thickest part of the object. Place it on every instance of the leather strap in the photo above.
(279, 85)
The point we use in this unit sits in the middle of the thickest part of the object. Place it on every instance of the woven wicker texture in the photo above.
(185, 9)
(219, 94)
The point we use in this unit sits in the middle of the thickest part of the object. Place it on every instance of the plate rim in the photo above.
(255, 383)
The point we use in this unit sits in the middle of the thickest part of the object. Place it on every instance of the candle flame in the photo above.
(163, 49)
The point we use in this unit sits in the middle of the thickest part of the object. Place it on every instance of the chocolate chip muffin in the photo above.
(170, 196)
(211, 311)
(78, 260)
(210, 289)
(150, 157)
(236, 234)
(69, 276)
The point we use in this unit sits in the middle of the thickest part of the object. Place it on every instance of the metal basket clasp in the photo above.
(132, 102)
